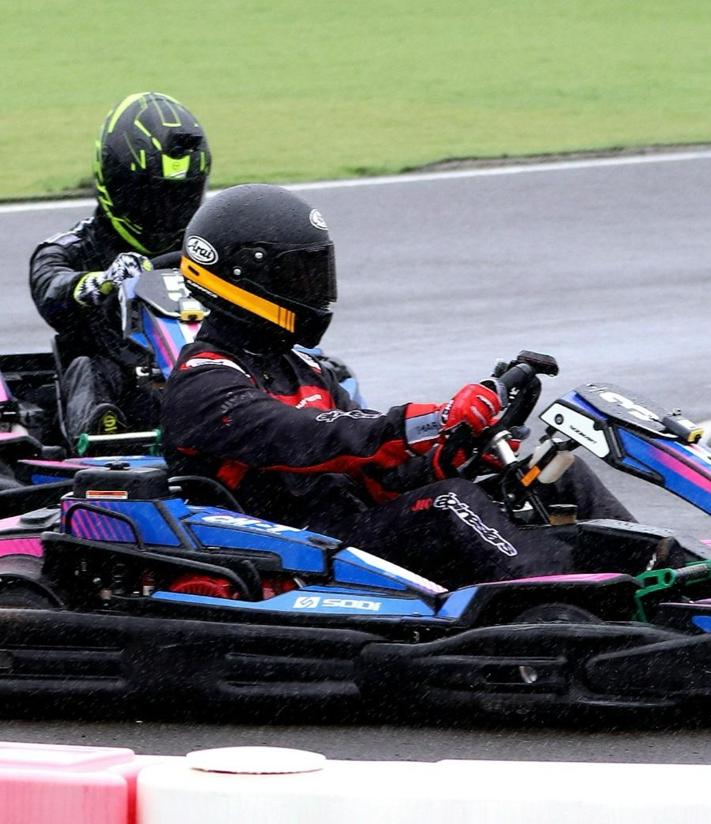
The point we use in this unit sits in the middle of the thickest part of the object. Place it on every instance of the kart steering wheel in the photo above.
(523, 388)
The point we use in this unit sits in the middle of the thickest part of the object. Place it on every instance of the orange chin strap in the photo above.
(266, 309)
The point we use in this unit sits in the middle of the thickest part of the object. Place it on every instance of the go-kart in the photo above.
(134, 592)
(158, 317)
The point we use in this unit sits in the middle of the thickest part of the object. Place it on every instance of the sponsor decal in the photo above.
(422, 422)
(423, 503)
(578, 427)
(636, 410)
(200, 250)
(314, 397)
(175, 286)
(107, 494)
(313, 601)
(248, 523)
(307, 602)
(451, 502)
(205, 360)
(582, 434)
(317, 220)
(309, 399)
(355, 414)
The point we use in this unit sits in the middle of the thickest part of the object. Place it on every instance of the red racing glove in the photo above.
(472, 410)
(475, 405)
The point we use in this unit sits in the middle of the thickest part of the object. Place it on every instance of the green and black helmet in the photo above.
(151, 167)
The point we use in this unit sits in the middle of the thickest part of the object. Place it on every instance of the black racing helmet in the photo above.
(263, 256)
(151, 167)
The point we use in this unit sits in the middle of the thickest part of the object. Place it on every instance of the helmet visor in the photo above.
(306, 275)
(161, 209)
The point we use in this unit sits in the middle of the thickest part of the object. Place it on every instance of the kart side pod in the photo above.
(139, 507)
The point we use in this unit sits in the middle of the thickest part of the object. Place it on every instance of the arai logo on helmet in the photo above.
(317, 220)
(200, 250)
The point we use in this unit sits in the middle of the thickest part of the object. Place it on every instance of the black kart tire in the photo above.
(24, 597)
(557, 614)
(7, 477)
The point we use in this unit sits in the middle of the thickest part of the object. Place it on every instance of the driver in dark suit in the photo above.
(151, 168)
(244, 406)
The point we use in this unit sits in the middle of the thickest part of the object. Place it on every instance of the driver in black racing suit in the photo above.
(245, 408)
(151, 168)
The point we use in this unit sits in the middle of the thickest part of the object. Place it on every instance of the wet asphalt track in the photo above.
(606, 266)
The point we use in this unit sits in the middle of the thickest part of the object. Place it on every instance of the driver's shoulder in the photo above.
(204, 358)
(78, 234)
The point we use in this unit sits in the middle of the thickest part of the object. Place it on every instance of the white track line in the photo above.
(421, 177)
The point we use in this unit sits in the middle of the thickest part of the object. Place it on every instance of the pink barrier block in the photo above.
(54, 784)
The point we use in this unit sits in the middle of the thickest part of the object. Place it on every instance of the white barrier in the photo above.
(42, 784)
(451, 792)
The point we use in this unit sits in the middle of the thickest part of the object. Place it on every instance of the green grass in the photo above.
(295, 89)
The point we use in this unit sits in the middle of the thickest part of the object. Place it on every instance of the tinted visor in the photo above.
(161, 209)
(306, 275)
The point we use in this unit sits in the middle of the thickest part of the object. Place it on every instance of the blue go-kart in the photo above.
(136, 590)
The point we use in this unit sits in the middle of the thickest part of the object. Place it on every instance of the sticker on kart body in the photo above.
(175, 286)
(636, 410)
(577, 427)
(248, 523)
(317, 601)
(106, 494)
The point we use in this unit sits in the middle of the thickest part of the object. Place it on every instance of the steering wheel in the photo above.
(523, 388)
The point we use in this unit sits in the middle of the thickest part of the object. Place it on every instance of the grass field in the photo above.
(294, 89)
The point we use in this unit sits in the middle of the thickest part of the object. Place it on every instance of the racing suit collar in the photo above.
(227, 333)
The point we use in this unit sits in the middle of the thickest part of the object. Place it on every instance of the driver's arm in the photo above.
(55, 271)
(216, 410)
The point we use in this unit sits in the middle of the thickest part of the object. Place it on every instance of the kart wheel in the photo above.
(17, 591)
(24, 597)
(557, 614)
(7, 477)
